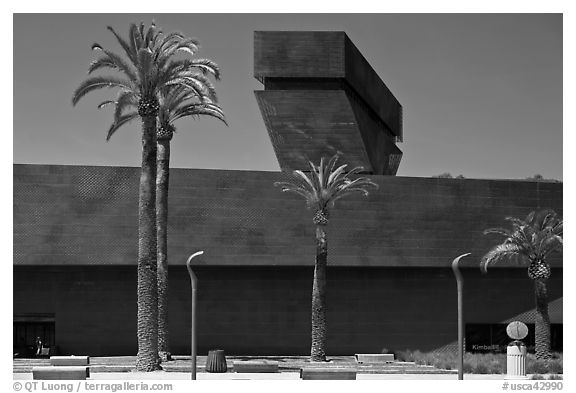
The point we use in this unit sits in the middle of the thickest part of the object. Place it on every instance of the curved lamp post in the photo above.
(193, 281)
(460, 283)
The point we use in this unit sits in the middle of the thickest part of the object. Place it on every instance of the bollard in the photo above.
(516, 360)
(516, 351)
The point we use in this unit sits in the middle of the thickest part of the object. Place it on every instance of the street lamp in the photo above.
(460, 283)
(193, 281)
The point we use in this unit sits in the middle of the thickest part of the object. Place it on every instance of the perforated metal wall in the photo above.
(88, 215)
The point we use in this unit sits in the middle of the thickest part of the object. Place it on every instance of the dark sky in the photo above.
(482, 93)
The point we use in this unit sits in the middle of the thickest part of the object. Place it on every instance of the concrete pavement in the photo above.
(161, 375)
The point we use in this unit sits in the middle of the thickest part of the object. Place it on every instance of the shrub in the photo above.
(408, 356)
(555, 376)
(537, 376)
(536, 367)
(551, 366)
(480, 363)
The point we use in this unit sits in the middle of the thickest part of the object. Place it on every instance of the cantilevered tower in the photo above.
(321, 97)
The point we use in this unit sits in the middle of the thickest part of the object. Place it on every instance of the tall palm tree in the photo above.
(176, 102)
(149, 66)
(531, 241)
(320, 189)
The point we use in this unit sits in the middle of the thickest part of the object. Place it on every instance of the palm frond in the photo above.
(208, 85)
(120, 63)
(343, 194)
(155, 41)
(175, 96)
(551, 244)
(290, 187)
(320, 173)
(530, 218)
(305, 180)
(137, 38)
(166, 44)
(175, 45)
(132, 37)
(498, 253)
(125, 100)
(558, 228)
(500, 231)
(141, 34)
(550, 219)
(516, 222)
(125, 45)
(188, 45)
(101, 62)
(106, 103)
(99, 82)
(124, 119)
(358, 182)
(146, 69)
(191, 84)
(315, 178)
(199, 109)
(205, 66)
(111, 60)
(151, 35)
(337, 173)
(330, 169)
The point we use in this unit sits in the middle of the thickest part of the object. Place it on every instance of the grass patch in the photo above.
(480, 363)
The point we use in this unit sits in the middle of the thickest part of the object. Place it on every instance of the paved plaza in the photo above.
(161, 375)
(122, 368)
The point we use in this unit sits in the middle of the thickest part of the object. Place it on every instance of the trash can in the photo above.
(216, 361)
(516, 360)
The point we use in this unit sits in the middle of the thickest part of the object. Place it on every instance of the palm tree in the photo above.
(321, 188)
(531, 241)
(150, 65)
(176, 102)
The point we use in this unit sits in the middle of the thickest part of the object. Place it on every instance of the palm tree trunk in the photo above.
(542, 320)
(147, 324)
(318, 351)
(162, 178)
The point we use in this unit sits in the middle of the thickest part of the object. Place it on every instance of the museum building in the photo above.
(390, 285)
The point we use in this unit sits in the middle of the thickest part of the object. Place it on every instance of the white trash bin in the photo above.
(516, 360)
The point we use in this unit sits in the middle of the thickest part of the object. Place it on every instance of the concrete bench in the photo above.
(327, 373)
(61, 372)
(374, 357)
(255, 366)
(69, 360)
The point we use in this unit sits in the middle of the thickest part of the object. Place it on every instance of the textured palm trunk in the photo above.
(162, 179)
(542, 320)
(147, 319)
(318, 351)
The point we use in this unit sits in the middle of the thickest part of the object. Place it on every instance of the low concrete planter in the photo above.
(61, 372)
(255, 366)
(69, 360)
(317, 373)
(374, 357)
